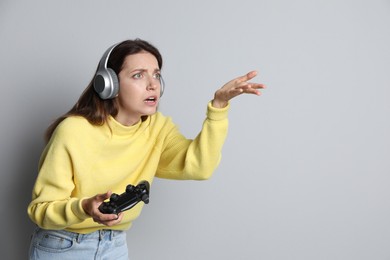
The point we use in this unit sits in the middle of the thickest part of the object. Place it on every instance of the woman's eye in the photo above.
(157, 76)
(137, 76)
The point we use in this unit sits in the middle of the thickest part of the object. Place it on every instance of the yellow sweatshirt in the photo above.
(82, 160)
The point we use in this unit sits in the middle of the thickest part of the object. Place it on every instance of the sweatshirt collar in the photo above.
(121, 130)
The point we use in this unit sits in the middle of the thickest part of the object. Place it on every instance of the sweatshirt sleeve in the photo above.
(52, 206)
(196, 159)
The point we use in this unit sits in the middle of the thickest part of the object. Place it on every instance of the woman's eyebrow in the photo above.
(143, 70)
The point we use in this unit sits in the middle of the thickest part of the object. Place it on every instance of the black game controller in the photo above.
(126, 200)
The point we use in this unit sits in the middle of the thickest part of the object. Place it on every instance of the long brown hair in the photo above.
(90, 105)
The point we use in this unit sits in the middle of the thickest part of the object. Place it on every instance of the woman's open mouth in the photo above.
(151, 100)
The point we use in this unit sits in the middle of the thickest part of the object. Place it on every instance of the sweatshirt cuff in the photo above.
(214, 113)
(78, 210)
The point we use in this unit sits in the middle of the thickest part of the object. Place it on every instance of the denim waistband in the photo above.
(97, 235)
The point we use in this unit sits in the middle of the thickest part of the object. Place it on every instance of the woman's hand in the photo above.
(236, 87)
(91, 205)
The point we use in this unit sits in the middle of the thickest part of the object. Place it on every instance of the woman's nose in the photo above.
(152, 83)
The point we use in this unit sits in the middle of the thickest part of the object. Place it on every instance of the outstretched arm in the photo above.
(235, 88)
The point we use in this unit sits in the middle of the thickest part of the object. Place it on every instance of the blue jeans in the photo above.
(61, 244)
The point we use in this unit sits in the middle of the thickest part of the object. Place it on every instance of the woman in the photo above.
(112, 137)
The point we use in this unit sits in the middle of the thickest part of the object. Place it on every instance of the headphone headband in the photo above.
(104, 60)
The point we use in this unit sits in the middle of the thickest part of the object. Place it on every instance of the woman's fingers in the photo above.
(250, 75)
(236, 87)
(109, 219)
(251, 88)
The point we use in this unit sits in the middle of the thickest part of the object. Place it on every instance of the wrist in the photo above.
(84, 205)
(218, 103)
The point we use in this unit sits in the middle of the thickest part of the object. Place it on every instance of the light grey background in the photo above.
(305, 169)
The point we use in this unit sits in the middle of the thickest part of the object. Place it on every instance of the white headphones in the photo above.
(106, 82)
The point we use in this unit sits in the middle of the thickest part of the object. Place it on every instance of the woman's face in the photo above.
(139, 88)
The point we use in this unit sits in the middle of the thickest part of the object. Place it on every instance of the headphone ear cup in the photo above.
(106, 83)
(114, 83)
(162, 84)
